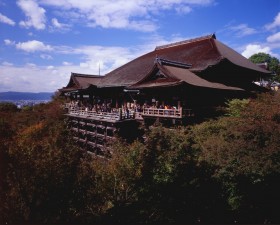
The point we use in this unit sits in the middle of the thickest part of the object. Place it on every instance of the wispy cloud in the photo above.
(35, 15)
(66, 63)
(274, 24)
(32, 78)
(45, 56)
(6, 20)
(9, 42)
(105, 57)
(7, 64)
(58, 26)
(274, 38)
(242, 30)
(122, 14)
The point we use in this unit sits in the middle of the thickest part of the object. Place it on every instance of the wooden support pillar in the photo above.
(120, 113)
(105, 136)
(91, 98)
(179, 104)
(181, 112)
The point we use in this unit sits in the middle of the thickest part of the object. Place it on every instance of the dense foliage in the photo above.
(273, 62)
(39, 163)
(220, 171)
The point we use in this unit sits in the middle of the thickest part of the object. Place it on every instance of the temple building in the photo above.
(172, 84)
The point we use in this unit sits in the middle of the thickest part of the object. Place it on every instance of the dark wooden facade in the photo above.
(173, 83)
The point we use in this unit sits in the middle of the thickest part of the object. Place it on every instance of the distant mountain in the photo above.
(16, 96)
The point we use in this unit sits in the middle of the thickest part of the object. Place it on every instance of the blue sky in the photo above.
(43, 41)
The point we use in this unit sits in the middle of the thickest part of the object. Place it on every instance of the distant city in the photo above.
(22, 103)
(22, 99)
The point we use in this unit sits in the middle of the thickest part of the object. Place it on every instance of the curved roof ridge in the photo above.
(185, 75)
(84, 75)
(82, 81)
(172, 62)
(186, 41)
(236, 58)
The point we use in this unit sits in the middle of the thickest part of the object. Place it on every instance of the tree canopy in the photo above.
(219, 171)
(273, 62)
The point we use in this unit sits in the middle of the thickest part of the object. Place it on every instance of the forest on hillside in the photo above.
(224, 170)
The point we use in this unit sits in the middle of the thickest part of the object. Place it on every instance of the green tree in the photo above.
(175, 187)
(214, 172)
(245, 153)
(273, 62)
(236, 106)
(170, 186)
(41, 162)
(8, 107)
(105, 187)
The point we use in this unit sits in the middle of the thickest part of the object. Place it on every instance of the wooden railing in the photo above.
(111, 116)
(131, 114)
(162, 112)
(171, 113)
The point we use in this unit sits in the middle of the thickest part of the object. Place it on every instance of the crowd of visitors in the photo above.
(125, 110)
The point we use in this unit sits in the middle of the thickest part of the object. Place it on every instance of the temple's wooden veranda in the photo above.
(96, 131)
(171, 84)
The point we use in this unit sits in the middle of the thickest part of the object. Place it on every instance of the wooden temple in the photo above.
(172, 84)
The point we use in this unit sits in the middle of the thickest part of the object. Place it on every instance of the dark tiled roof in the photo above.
(200, 52)
(236, 58)
(175, 76)
(81, 81)
(190, 78)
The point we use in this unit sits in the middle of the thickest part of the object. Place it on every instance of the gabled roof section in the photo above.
(174, 75)
(81, 81)
(186, 41)
(237, 58)
(200, 53)
(185, 75)
(155, 78)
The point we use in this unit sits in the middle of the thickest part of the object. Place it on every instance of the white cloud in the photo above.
(47, 57)
(274, 38)
(50, 67)
(31, 65)
(7, 64)
(35, 15)
(33, 46)
(56, 25)
(122, 14)
(243, 30)
(275, 23)
(183, 10)
(9, 42)
(66, 63)
(5, 19)
(107, 58)
(31, 78)
(252, 49)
